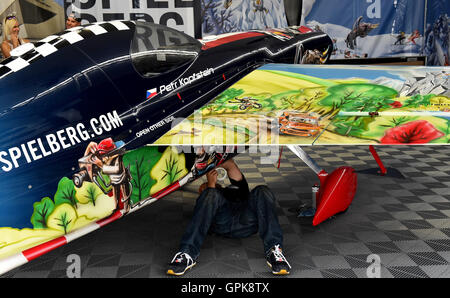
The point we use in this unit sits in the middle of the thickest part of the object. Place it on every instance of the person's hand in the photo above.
(15, 39)
(91, 148)
(212, 178)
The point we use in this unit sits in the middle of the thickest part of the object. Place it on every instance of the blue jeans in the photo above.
(233, 219)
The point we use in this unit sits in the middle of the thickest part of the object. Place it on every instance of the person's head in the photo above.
(72, 21)
(10, 26)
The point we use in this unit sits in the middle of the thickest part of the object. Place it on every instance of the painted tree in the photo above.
(42, 211)
(141, 161)
(357, 98)
(63, 218)
(170, 168)
(88, 193)
(66, 192)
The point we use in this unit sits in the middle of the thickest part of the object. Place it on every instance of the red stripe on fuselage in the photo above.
(165, 191)
(230, 38)
(37, 251)
(110, 219)
(304, 29)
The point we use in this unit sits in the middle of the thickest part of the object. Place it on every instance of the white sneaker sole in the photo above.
(171, 272)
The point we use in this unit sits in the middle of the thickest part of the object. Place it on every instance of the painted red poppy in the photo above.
(415, 132)
(396, 104)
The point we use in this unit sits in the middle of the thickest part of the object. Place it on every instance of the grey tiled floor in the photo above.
(406, 222)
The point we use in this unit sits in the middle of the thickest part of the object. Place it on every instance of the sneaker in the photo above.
(180, 264)
(277, 261)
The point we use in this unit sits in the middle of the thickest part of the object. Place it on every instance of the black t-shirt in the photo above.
(236, 192)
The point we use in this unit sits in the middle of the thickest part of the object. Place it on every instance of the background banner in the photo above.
(359, 28)
(177, 14)
(369, 28)
(224, 16)
(437, 37)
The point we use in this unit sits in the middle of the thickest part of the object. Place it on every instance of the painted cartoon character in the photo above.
(360, 29)
(204, 161)
(314, 57)
(106, 159)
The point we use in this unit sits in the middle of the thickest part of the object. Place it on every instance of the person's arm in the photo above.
(6, 50)
(238, 190)
(232, 169)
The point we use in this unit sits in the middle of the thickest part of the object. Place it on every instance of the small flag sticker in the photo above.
(151, 93)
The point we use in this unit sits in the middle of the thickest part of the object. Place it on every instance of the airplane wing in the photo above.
(281, 104)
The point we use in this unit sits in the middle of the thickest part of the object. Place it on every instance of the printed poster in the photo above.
(369, 28)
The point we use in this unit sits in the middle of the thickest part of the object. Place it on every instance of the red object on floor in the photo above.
(336, 193)
(383, 170)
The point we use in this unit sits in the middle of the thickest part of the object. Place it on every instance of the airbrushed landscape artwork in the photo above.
(312, 105)
(111, 183)
(74, 205)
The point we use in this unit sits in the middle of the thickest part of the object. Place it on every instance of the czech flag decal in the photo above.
(151, 93)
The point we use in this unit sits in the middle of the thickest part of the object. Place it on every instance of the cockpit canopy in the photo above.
(157, 49)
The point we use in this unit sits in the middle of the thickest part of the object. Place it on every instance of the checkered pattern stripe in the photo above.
(53, 43)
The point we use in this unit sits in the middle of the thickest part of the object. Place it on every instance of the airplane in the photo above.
(96, 119)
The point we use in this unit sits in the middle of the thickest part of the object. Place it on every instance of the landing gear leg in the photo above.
(382, 170)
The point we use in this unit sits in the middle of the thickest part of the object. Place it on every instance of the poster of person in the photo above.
(437, 37)
(369, 28)
(225, 16)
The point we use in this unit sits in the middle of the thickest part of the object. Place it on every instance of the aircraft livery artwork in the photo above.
(328, 105)
(93, 119)
(73, 153)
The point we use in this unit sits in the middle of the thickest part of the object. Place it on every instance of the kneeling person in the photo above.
(233, 212)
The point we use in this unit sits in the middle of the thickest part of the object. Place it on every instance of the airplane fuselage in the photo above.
(128, 82)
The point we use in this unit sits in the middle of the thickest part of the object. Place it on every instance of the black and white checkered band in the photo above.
(26, 54)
